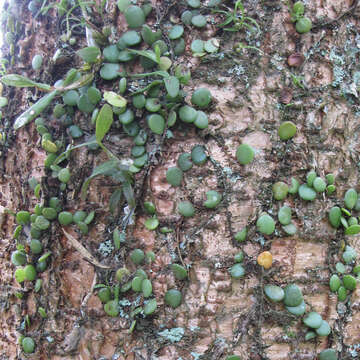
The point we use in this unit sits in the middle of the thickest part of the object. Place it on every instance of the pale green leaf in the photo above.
(89, 54)
(103, 122)
(35, 110)
(172, 85)
(157, 53)
(22, 81)
(114, 99)
(81, 82)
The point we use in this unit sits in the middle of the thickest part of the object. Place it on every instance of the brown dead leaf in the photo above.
(82, 250)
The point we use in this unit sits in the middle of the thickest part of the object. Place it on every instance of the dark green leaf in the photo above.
(146, 53)
(114, 200)
(159, 73)
(129, 194)
(103, 122)
(148, 87)
(64, 155)
(106, 168)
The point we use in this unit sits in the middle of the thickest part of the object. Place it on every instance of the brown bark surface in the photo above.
(219, 316)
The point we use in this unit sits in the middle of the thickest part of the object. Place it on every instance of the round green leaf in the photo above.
(313, 320)
(328, 354)
(350, 198)
(174, 176)
(265, 224)
(42, 223)
(111, 54)
(303, 25)
(18, 257)
(319, 184)
(123, 4)
(110, 71)
(293, 295)
(201, 97)
(89, 54)
(274, 293)
(240, 236)
(290, 229)
(131, 38)
(127, 117)
(112, 308)
(197, 46)
(307, 193)
(71, 97)
(49, 213)
(179, 271)
(146, 288)
(30, 272)
(237, 271)
(64, 175)
(280, 190)
(198, 21)
(187, 114)
(20, 275)
(335, 216)
(176, 32)
(212, 46)
(136, 283)
(194, 3)
(294, 188)
(186, 17)
(36, 62)
(284, 215)
(104, 295)
(134, 16)
(198, 155)
(297, 310)
(152, 223)
(184, 162)
(201, 121)
(173, 298)
(324, 329)
(85, 105)
(156, 124)
(28, 345)
(349, 282)
(185, 208)
(213, 199)
(352, 230)
(245, 154)
(23, 217)
(287, 130)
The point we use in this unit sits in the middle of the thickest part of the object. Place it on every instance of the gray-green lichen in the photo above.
(173, 335)
(106, 248)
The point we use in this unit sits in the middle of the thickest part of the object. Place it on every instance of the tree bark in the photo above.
(253, 92)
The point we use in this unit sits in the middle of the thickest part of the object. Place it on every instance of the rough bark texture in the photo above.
(218, 316)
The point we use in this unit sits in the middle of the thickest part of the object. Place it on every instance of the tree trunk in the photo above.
(253, 91)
